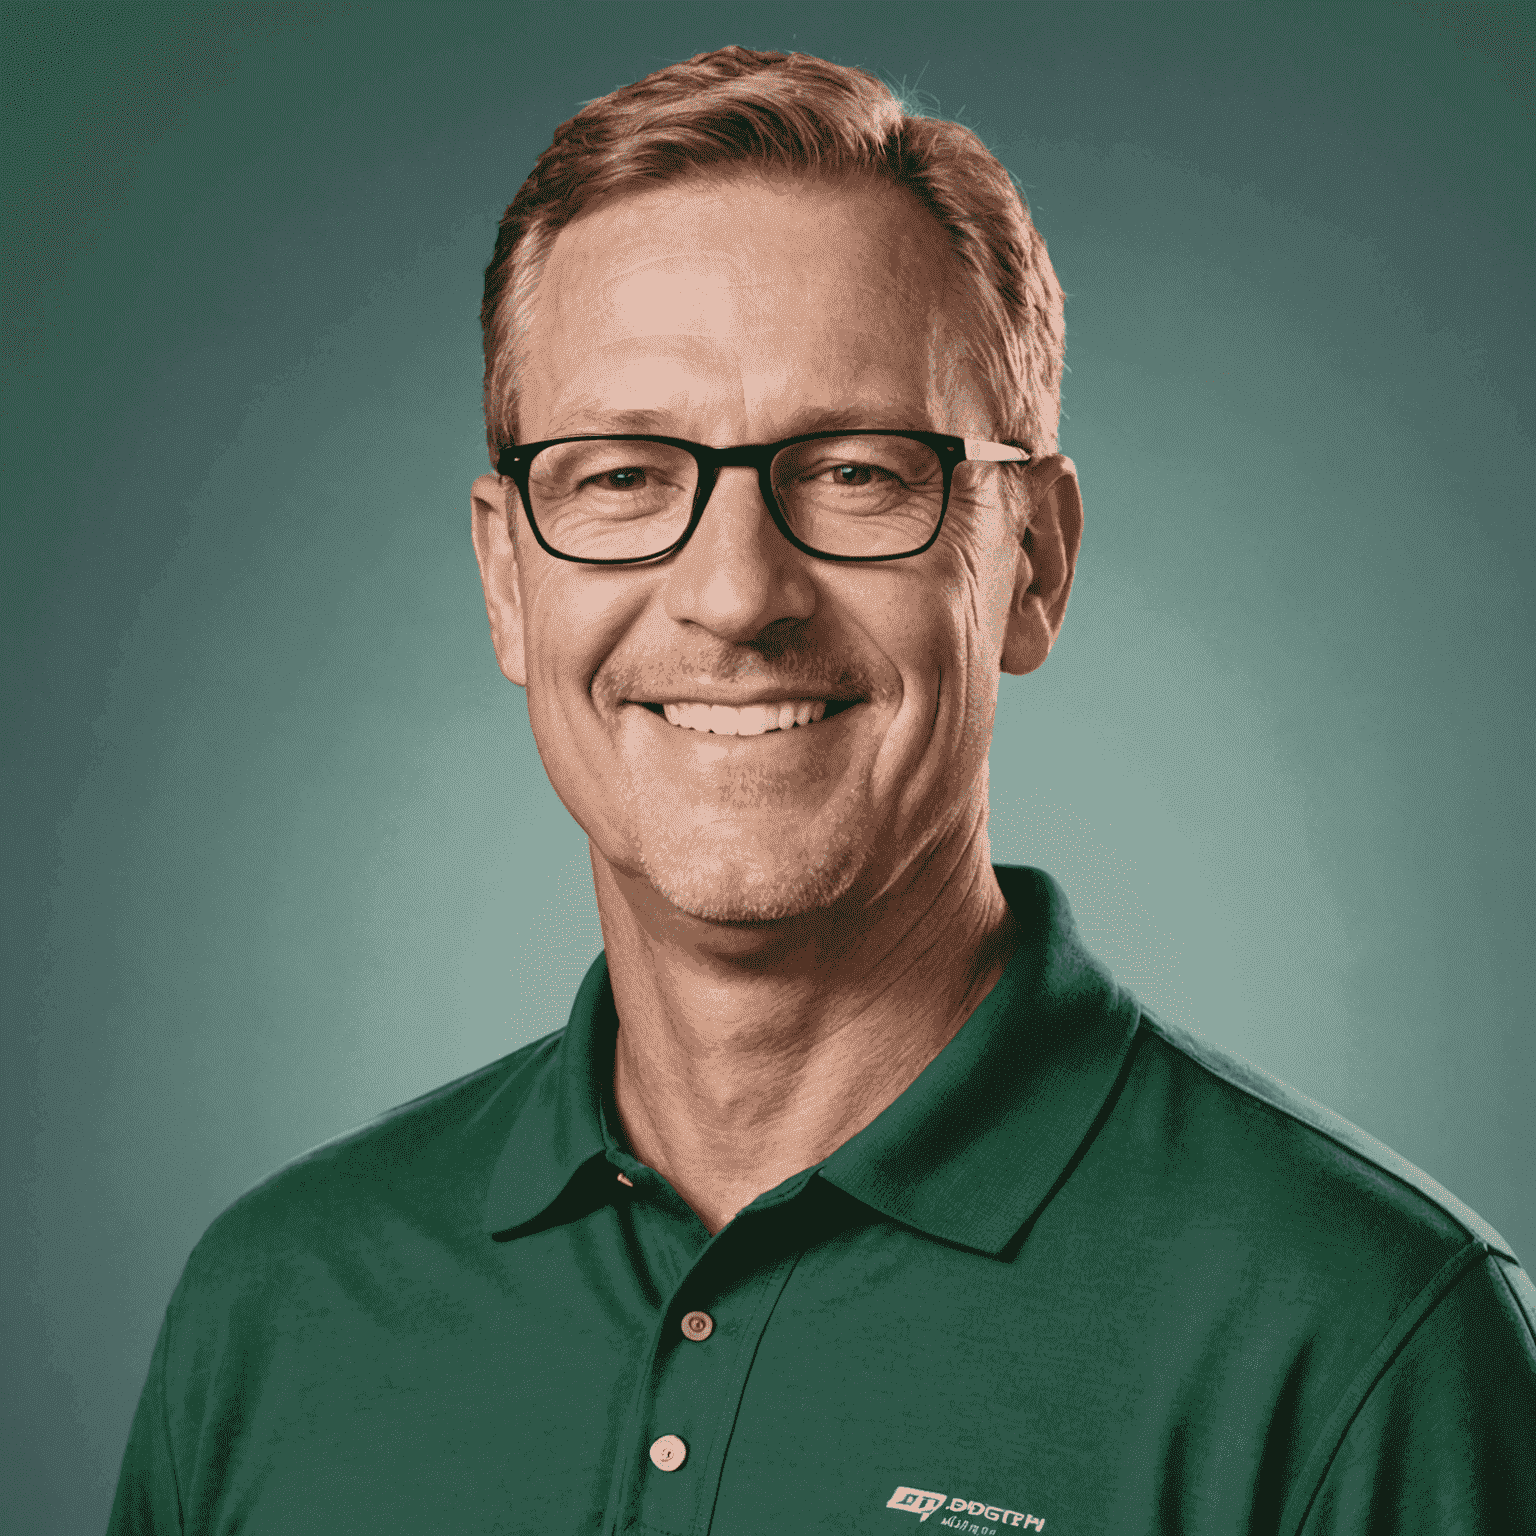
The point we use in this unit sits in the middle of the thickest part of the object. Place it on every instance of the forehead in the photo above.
(747, 306)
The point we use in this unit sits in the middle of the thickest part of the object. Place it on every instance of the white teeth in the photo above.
(750, 720)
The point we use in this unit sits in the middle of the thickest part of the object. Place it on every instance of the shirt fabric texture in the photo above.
(1086, 1274)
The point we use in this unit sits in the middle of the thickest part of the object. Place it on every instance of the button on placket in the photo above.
(691, 1386)
(697, 1326)
(668, 1453)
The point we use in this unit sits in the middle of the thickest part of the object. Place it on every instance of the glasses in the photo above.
(876, 495)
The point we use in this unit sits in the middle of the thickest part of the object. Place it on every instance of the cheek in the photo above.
(932, 626)
(969, 626)
(986, 551)
(571, 623)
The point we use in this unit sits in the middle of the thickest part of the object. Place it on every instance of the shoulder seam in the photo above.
(1357, 1394)
(509, 1063)
(1515, 1301)
(395, 1111)
(1480, 1234)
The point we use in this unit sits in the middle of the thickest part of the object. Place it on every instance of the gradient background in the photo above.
(280, 852)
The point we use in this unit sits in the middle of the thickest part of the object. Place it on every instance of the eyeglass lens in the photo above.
(620, 499)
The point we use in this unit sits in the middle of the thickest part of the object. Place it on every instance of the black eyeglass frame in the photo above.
(516, 461)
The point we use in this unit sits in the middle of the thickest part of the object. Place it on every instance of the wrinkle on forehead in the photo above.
(764, 287)
(698, 217)
(637, 384)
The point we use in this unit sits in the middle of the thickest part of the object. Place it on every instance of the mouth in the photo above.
(748, 719)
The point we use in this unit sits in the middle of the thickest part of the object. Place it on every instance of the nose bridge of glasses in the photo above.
(753, 457)
(741, 456)
(738, 561)
(730, 475)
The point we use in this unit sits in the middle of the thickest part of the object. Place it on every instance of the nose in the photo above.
(738, 575)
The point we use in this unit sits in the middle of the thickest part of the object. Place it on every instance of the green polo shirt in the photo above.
(1085, 1275)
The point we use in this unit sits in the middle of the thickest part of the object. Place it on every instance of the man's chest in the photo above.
(864, 1384)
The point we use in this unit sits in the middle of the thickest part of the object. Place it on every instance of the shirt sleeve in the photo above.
(1445, 1440)
(148, 1502)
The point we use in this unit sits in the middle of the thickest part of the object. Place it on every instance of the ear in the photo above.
(1047, 559)
(494, 501)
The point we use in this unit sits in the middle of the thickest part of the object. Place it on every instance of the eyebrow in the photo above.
(586, 417)
(589, 417)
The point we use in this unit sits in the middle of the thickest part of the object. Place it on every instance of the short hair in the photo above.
(791, 112)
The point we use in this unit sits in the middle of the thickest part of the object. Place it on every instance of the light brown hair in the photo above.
(793, 113)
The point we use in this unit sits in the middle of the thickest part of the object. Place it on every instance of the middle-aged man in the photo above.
(855, 1195)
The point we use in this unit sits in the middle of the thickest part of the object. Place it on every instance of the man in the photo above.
(855, 1194)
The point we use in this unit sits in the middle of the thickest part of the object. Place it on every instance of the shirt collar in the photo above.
(558, 1131)
(968, 1153)
(973, 1148)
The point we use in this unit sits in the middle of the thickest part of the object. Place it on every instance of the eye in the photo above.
(622, 479)
(856, 475)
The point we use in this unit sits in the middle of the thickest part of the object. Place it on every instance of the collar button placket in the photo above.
(697, 1372)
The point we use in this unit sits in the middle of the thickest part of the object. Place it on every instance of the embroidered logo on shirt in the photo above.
(922, 1502)
(915, 1501)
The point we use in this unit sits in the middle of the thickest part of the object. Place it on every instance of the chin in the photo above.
(740, 878)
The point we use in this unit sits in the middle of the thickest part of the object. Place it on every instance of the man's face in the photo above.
(745, 310)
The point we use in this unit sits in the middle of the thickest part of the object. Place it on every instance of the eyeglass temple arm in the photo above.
(995, 453)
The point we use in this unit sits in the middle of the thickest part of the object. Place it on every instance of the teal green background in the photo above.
(279, 851)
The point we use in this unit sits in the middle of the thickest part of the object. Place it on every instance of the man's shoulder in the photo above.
(1251, 1144)
(424, 1162)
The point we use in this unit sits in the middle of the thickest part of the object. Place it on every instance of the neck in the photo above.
(742, 1061)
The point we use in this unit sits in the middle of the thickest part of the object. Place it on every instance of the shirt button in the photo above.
(668, 1453)
(698, 1326)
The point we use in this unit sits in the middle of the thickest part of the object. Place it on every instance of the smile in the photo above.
(749, 719)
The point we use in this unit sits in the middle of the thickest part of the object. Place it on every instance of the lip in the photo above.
(751, 739)
(713, 744)
(834, 708)
(747, 700)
